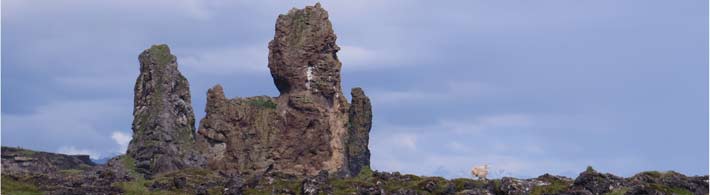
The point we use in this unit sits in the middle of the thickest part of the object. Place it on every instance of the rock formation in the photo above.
(360, 122)
(305, 129)
(163, 123)
(17, 160)
(290, 144)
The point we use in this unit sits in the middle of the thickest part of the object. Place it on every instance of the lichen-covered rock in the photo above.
(305, 129)
(645, 181)
(163, 123)
(239, 134)
(598, 183)
(315, 185)
(360, 116)
(515, 186)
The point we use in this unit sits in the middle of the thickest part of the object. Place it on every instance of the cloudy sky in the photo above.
(528, 87)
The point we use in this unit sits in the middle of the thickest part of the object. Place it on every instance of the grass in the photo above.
(13, 187)
(161, 54)
(555, 187)
(669, 190)
(262, 103)
(130, 164)
(141, 185)
(25, 152)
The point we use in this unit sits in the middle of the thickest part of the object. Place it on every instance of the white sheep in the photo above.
(480, 172)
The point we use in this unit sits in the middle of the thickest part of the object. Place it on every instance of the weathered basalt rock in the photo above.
(598, 183)
(309, 127)
(360, 116)
(163, 124)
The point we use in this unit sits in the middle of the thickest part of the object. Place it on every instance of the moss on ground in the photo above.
(669, 190)
(11, 186)
(555, 187)
(194, 176)
(25, 152)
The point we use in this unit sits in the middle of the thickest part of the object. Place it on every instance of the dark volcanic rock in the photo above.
(163, 124)
(316, 184)
(651, 180)
(305, 129)
(360, 115)
(598, 183)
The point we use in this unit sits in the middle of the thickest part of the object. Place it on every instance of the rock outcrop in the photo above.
(359, 125)
(18, 160)
(163, 123)
(306, 128)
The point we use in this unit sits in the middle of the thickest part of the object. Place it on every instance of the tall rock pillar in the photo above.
(163, 123)
(359, 125)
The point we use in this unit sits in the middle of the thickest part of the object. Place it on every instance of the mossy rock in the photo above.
(618, 191)
(263, 103)
(160, 54)
(555, 187)
(670, 190)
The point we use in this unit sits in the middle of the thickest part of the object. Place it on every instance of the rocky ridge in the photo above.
(119, 177)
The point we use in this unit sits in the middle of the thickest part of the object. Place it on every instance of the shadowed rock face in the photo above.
(360, 116)
(163, 123)
(305, 129)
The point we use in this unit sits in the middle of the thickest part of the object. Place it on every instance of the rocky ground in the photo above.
(31, 172)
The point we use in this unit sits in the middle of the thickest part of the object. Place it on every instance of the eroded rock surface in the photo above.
(360, 116)
(306, 128)
(163, 124)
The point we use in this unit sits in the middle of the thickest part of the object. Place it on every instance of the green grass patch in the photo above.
(160, 54)
(669, 190)
(466, 183)
(140, 187)
(13, 187)
(130, 164)
(554, 187)
(265, 103)
(25, 152)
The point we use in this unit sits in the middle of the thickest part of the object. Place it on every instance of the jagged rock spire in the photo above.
(163, 123)
(359, 125)
(302, 55)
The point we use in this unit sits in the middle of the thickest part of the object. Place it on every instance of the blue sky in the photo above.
(529, 87)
